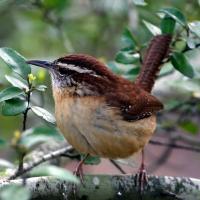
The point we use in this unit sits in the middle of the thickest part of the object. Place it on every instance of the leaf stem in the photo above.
(25, 114)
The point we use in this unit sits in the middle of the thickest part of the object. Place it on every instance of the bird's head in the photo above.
(78, 70)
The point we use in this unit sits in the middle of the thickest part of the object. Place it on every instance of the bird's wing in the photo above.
(134, 106)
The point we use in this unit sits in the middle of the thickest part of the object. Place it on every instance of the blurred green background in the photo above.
(48, 29)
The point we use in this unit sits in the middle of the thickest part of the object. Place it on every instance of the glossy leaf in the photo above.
(15, 61)
(180, 63)
(44, 114)
(3, 143)
(134, 71)
(92, 160)
(190, 127)
(55, 4)
(35, 136)
(176, 14)
(10, 93)
(130, 77)
(188, 85)
(139, 2)
(14, 192)
(17, 82)
(171, 104)
(195, 28)
(152, 28)
(113, 66)
(180, 45)
(57, 172)
(43, 130)
(126, 57)
(41, 88)
(167, 25)
(13, 107)
(191, 42)
(6, 164)
(166, 69)
(128, 41)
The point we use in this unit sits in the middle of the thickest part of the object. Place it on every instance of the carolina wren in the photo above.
(101, 113)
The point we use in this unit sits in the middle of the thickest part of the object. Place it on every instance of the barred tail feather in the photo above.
(156, 52)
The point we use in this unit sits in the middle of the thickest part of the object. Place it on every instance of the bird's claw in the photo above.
(79, 173)
(141, 179)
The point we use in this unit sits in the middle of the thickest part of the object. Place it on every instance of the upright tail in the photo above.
(156, 52)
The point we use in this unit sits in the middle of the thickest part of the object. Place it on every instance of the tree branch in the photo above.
(112, 187)
(45, 158)
(176, 146)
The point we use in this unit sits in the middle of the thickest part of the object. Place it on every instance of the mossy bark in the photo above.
(116, 187)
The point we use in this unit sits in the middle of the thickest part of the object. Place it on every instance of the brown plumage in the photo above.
(101, 113)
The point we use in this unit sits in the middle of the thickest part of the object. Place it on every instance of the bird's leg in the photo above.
(79, 173)
(141, 178)
(79, 169)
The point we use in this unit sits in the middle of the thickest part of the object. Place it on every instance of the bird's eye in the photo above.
(62, 71)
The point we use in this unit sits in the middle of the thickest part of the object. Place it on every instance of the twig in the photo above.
(176, 146)
(163, 158)
(45, 158)
(22, 154)
(184, 50)
(117, 166)
(28, 103)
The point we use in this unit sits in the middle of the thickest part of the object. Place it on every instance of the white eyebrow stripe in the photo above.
(78, 69)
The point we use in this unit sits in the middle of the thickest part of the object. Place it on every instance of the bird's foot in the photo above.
(79, 172)
(141, 179)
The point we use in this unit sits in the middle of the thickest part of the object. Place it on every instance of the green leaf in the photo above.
(195, 28)
(167, 25)
(127, 58)
(113, 66)
(176, 14)
(190, 127)
(189, 86)
(180, 45)
(13, 107)
(57, 172)
(152, 28)
(6, 164)
(44, 114)
(166, 69)
(55, 4)
(91, 160)
(17, 82)
(43, 130)
(191, 42)
(139, 2)
(180, 63)
(15, 61)
(171, 104)
(9, 93)
(128, 41)
(129, 77)
(35, 136)
(3, 143)
(41, 88)
(134, 71)
(14, 192)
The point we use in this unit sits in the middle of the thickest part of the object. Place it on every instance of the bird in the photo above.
(101, 113)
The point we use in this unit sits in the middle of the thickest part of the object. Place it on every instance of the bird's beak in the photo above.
(41, 63)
